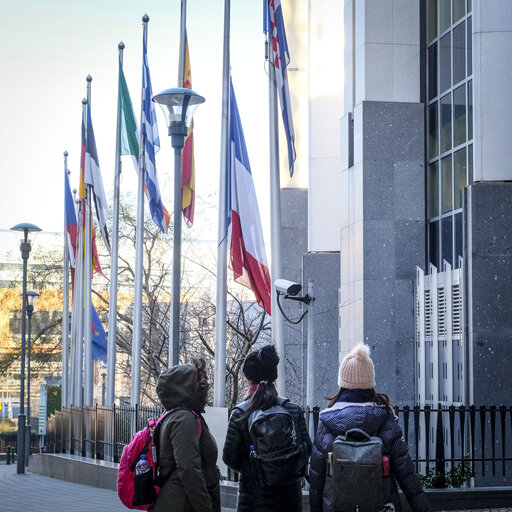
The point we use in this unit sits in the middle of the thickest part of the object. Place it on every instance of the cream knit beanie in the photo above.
(356, 369)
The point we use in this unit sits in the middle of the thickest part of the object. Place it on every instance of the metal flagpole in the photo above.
(79, 278)
(275, 219)
(183, 34)
(65, 302)
(88, 365)
(310, 382)
(219, 395)
(174, 324)
(74, 335)
(139, 255)
(112, 312)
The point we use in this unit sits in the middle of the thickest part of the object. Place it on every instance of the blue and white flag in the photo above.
(92, 176)
(99, 337)
(281, 58)
(149, 129)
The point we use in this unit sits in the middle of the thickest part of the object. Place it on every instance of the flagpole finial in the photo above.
(84, 101)
(69, 172)
(121, 45)
(66, 153)
(89, 78)
(145, 18)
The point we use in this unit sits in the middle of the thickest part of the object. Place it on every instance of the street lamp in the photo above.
(178, 105)
(31, 302)
(25, 247)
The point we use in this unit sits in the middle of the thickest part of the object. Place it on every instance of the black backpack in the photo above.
(278, 454)
(358, 473)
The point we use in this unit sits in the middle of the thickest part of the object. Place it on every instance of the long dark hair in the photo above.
(263, 398)
(378, 399)
(202, 383)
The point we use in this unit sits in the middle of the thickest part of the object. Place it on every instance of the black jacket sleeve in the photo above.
(317, 475)
(402, 466)
(232, 453)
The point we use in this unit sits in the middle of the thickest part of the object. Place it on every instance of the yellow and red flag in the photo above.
(187, 159)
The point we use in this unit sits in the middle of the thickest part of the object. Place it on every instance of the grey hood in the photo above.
(177, 386)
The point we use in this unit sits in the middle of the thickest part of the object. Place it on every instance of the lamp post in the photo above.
(31, 302)
(178, 105)
(25, 247)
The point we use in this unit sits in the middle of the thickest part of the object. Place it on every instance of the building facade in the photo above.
(409, 177)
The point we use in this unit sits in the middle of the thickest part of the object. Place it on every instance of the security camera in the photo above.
(287, 287)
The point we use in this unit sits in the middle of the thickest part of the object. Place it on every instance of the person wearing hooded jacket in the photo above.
(260, 369)
(187, 457)
(357, 405)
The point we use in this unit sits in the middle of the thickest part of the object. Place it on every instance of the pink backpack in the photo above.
(142, 443)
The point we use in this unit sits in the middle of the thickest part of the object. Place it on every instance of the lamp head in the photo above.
(178, 104)
(26, 227)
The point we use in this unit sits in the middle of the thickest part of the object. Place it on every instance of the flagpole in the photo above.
(74, 335)
(275, 220)
(183, 34)
(219, 395)
(112, 313)
(174, 324)
(79, 279)
(65, 300)
(88, 364)
(139, 255)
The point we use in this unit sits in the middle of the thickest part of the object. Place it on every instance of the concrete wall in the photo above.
(492, 82)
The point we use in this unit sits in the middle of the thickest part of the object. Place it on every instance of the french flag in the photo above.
(247, 249)
(71, 221)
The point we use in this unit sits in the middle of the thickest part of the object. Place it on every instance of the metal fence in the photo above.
(11, 439)
(471, 440)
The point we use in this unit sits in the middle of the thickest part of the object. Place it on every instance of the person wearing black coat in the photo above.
(260, 368)
(357, 405)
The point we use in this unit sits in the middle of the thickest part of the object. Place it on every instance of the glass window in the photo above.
(445, 15)
(433, 135)
(459, 9)
(432, 71)
(470, 7)
(459, 115)
(470, 109)
(446, 123)
(446, 185)
(470, 45)
(458, 238)
(432, 19)
(433, 243)
(470, 163)
(459, 53)
(447, 239)
(445, 63)
(459, 172)
(433, 190)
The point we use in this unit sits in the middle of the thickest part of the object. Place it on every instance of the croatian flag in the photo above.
(149, 129)
(281, 58)
(92, 176)
(71, 221)
(247, 249)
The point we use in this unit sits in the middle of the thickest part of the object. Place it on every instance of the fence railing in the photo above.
(470, 440)
(11, 439)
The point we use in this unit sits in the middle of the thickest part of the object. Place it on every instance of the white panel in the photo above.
(406, 22)
(378, 84)
(379, 21)
(406, 82)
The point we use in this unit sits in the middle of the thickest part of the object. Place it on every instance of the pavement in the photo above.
(43, 494)
(39, 493)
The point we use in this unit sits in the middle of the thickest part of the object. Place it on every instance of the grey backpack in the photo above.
(358, 473)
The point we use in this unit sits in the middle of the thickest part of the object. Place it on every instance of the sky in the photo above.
(47, 49)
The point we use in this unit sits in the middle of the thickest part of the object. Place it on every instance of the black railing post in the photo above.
(503, 417)
(440, 462)
(472, 419)
(482, 436)
(462, 421)
(427, 437)
(451, 414)
(316, 417)
(406, 423)
(417, 434)
(492, 410)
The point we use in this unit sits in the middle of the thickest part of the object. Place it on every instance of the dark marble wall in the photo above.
(393, 238)
(488, 278)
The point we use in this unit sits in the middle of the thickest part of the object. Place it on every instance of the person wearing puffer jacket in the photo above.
(357, 405)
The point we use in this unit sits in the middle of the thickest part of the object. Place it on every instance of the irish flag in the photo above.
(247, 249)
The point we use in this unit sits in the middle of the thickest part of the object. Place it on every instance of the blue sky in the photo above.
(47, 48)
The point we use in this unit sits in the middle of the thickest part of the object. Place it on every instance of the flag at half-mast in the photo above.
(247, 248)
(188, 173)
(81, 192)
(149, 130)
(92, 176)
(71, 221)
(281, 58)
